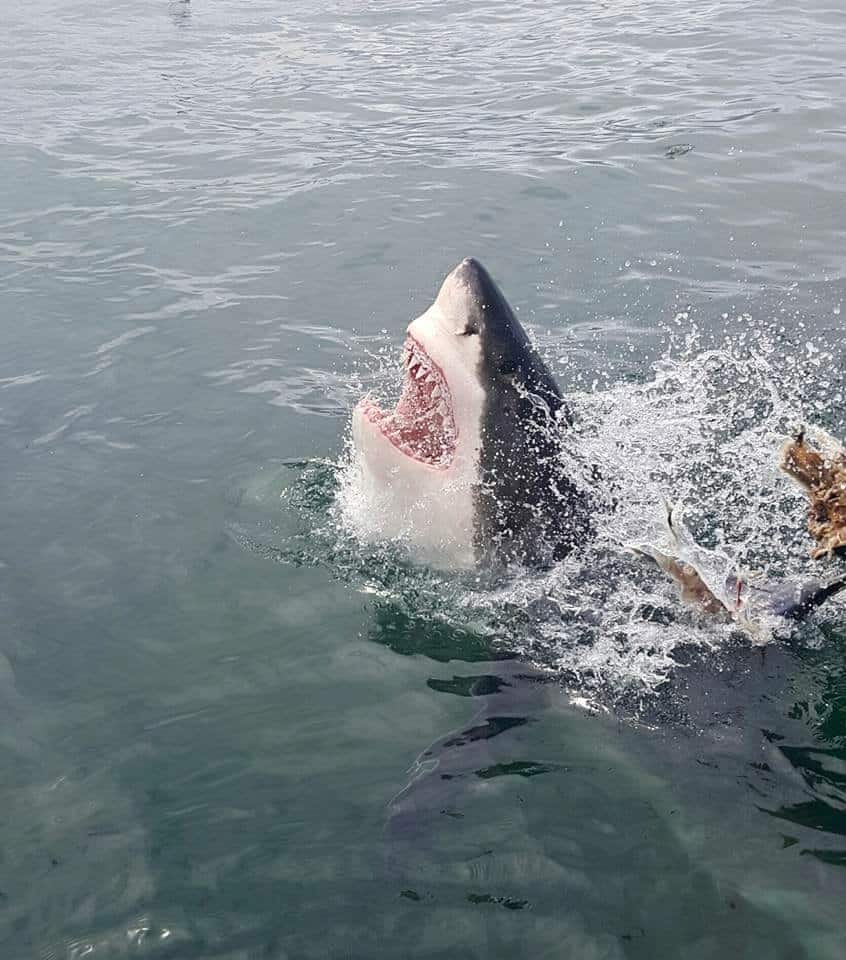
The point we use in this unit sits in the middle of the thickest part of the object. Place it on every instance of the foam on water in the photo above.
(704, 426)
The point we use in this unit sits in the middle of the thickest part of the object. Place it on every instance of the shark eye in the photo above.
(469, 331)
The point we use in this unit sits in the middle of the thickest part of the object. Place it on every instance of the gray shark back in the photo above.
(527, 509)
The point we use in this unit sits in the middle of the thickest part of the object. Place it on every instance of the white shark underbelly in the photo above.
(430, 512)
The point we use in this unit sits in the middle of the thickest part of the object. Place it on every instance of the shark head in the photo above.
(468, 465)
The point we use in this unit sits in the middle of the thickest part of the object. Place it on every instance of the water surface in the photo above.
(215, 222)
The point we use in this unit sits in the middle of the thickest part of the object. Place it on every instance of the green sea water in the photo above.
(229, 731)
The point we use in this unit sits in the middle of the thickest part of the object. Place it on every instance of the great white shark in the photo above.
(470, 464)
(475, 463)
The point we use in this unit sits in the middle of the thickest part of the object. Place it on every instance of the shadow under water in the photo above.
(663, 739)
(456, 830)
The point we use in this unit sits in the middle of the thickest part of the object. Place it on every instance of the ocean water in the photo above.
(230, 729)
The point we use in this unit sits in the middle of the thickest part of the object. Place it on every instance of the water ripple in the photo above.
(290, 100)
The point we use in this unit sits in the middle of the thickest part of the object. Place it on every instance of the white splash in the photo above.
(705, 427)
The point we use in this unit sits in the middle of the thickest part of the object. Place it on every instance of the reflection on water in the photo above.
(822, 771)
(413, 634)
(822, 765)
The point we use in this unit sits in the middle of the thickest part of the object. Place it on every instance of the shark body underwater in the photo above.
(474, 466)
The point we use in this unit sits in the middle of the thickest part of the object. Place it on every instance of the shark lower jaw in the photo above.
(422, 425)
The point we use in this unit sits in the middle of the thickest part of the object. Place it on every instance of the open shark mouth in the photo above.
(422, 425)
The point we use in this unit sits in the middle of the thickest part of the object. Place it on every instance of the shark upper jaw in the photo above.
(434, 429)
(422, 425)
(417, 465)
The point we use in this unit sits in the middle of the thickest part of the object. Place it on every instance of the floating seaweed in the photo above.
(821, 471)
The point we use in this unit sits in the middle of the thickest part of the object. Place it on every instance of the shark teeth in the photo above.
(422, 425)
